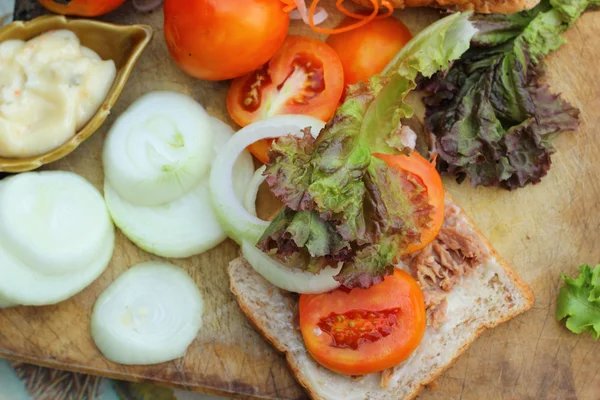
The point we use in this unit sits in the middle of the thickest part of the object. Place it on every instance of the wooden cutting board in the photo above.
(542, 230)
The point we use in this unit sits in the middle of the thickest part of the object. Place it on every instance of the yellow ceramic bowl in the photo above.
(121, 43)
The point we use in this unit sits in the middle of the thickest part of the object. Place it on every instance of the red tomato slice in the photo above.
(304, 77)
(430, 178)
(365, 51)
(362, 331)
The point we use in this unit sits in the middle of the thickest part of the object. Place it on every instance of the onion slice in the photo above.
(23, 285)
(243, 169)
(57, 237)
(159, 149)
(186, 226)
(53, 221)
(148, 315)
(252, 192)
(290, 279)
(179, 229)
(237, 222)
(301, 12)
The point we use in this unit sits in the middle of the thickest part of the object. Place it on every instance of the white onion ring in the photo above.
(252, 190)
(301, 12)
(237, 222)
(290, 279)
(146, 5)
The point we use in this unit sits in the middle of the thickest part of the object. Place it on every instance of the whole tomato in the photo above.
(82, 8)
(365, 51)
(223, 39)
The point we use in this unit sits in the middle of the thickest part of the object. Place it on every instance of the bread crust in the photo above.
(293, 362)
(256, 322)
(523, 287)
(480, 6)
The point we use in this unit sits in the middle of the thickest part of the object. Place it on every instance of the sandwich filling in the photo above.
(455, 253)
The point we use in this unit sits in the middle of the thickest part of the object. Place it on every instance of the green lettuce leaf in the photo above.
(369, 266)
(495, 29)
(385, 115)
(579, 301)
(342, 204)
(291, 170)
(493, 116)
(308, 230)
(432, 50)
(341, 159)
(571, 10)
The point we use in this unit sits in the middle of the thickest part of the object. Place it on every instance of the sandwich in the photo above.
(480, 6)
(369, 278)
(467, 286)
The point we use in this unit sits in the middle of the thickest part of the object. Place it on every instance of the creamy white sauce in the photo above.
(50, 87)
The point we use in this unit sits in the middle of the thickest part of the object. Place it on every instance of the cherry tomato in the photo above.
(223, 39)
(365, 51)
(362, 331)
(304, 77)
(82, 8)
(430, 178)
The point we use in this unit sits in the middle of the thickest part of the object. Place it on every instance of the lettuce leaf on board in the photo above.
(579, 301)
(492, 114)
(342, 204)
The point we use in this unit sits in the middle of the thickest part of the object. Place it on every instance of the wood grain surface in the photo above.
(542, 230)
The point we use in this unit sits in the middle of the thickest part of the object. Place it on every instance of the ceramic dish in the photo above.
(121, 43)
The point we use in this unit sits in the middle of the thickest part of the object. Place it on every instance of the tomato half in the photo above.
(365, 51)
(223, 39)
(362, 331)
(82, 8)
(305, 76)
(430, 178)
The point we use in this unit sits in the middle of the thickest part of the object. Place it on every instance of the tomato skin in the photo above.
(365, 51)
(305, 76)
(260, 150)
(82, 8)
(223, 39)
(431, 179)
(399, 290)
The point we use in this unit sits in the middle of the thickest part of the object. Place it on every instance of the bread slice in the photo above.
(491, 295)
(480, 6)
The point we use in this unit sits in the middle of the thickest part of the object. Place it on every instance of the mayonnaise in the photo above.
(50, 87)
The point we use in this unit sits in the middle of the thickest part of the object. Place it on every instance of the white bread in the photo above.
(494, 294)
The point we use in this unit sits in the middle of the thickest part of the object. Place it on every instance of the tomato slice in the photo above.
(430, 178)
(304, 77)
(365, 51)
(362, 331)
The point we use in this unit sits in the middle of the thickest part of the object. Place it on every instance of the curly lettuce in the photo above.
(493, 116)
(342, 204)
(579, 301)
